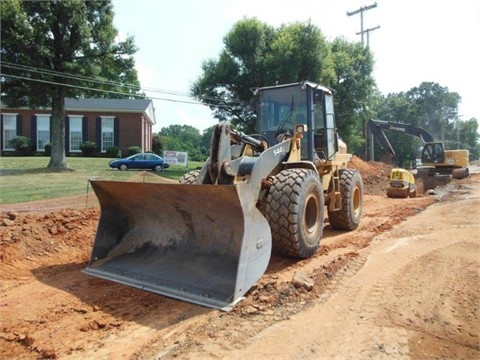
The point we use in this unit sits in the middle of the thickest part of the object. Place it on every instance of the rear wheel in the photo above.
(351, 190)
(192, 177)
(123, 167)
(295, 211)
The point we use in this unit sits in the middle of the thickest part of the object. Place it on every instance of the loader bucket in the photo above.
(205, 244)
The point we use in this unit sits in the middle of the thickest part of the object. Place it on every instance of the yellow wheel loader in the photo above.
(402, 184)
(208, 239)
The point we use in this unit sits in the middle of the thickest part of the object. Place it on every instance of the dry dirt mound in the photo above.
(28, 241)
(375, 175)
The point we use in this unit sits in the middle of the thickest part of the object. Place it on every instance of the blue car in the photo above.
(146, 161)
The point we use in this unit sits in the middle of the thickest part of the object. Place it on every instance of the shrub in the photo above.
(89, 148)
(21, 143)
(48, 149)
(132, 150)
(114, 152)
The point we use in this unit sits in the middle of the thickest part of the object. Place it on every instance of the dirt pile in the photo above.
(29, 240)
(375, 175)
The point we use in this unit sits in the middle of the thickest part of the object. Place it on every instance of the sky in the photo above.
(427, 40)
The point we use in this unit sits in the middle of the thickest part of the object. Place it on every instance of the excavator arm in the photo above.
(377, 129)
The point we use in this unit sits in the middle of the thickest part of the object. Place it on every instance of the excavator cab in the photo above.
(433, 152)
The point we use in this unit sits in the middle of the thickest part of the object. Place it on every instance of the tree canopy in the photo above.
(433, 108)
(256, 54)
(186, 138)
(57, 49)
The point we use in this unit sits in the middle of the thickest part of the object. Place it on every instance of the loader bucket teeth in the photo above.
(205, 244)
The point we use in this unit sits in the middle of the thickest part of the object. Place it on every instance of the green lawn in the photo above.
(27, 178)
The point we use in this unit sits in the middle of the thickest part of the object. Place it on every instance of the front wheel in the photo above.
(295, 211)
(158, 168)
(123, 167)
(351, 191)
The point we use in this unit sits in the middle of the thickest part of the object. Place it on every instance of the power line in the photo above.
(361, 11)
(111, 91)
(209, 101)
(85, 78)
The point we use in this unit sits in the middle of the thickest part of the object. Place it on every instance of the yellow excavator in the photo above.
(438, 165)
(208, 239)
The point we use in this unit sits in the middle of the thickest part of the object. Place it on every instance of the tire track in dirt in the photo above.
(354, 314)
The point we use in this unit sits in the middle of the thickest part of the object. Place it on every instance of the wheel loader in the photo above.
(208, 239)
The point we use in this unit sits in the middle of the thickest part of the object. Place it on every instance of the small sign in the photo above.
(175, 157)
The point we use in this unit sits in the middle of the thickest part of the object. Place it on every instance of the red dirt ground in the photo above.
(49, 309)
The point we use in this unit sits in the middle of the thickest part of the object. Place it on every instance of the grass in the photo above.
(28, 178)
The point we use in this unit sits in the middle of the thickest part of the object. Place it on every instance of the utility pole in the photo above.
(361, 10)
(368, 34)
(369, 139)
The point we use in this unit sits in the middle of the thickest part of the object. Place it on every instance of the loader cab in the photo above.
(280, 108)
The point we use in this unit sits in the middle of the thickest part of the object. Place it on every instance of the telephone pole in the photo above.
(368, 34)
(360, 11)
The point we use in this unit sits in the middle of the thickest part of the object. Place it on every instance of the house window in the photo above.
(9, 130)
(43, 131)
(107, 133)
(75, 132)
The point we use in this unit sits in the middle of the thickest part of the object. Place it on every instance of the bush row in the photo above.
(22, 145)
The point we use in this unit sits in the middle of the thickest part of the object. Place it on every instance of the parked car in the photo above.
(140, 161)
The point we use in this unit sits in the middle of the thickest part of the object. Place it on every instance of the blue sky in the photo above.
(428, 40)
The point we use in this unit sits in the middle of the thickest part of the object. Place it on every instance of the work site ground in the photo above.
(404, 285)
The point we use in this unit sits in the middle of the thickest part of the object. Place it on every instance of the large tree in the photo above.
(433, 108)
(356, 92)
(256, 54)
(56, 49)
(183, 138)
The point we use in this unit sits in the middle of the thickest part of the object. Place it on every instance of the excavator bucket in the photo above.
(205, 244)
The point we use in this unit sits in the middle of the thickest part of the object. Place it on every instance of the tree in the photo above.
(433, 108)
(255, 55)
(183, 138)
(157, 146)
(57, 49)
(356, 92)
(467, 137)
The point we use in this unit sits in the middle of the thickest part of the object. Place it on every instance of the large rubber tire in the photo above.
(351, 190)
(158, 168)
(192, 177)
(295, 210)
(123, 167)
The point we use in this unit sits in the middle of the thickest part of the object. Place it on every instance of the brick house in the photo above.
(107, 122)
